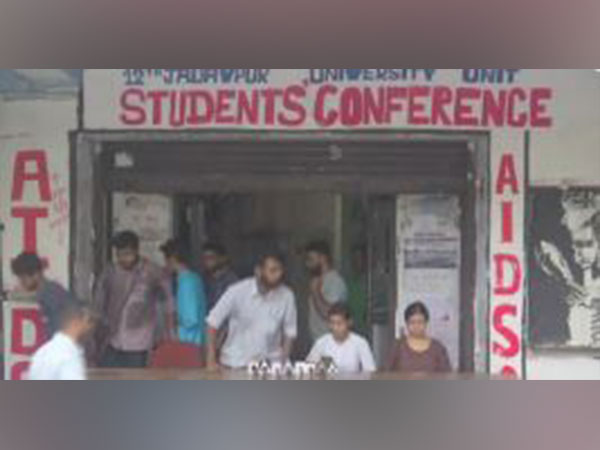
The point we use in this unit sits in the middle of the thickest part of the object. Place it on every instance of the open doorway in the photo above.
(250, 195)
(249, 224)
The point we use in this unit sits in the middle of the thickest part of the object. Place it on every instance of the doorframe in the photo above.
(90, 203)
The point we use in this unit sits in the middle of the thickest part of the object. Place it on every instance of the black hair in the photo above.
(274, 255)
(175, 249)
(74, 310)
(27, 264)
(320, 247)
(126, 240)
(340, 309)
(214, 247)
(417, 308)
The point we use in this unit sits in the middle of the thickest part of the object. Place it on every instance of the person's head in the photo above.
(127, 249)
(176, 255)
(77, 320)
(585, 247)
(270, 270)
(416, 318)
(29, 269)
(340, 321)
(214, 257)
(318, 257)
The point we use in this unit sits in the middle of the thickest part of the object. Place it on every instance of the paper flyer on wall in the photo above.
(429, 264)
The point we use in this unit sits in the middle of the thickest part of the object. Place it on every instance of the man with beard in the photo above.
(261, 316)
(127, 298)
(327, 287)
(218, 273)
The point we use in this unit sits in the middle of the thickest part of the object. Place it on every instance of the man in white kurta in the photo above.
(62, 358)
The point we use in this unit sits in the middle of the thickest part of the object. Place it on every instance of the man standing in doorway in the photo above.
(127, 298)
(327, 287)
(190, 295)
(51, 296)
(218, 272)
(261, 316)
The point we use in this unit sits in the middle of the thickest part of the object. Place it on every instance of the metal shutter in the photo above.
(374, 167)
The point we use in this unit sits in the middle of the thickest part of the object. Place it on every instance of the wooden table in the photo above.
(191, 375)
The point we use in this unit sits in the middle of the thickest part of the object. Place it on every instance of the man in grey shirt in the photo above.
(261, 316)
(51, 296)
(327, 287)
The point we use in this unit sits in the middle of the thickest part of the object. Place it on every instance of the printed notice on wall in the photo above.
(150, 216)
(429, 264)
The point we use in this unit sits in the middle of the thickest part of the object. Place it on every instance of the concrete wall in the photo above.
(568, 155)
(569, 152)
(34, 205)
(35, 133)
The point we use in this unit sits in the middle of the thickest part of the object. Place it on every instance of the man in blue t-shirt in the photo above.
(190, 295)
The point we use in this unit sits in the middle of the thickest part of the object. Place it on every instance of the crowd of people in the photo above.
(230, 323)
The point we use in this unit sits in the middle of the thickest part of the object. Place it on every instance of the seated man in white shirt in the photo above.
(349, 351)
(62, 358)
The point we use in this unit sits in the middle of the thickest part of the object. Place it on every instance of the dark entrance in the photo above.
(254, 193)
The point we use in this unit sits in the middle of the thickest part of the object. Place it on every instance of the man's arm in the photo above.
(315, 354)
(211, 350)
(321, 305)
(162, 293)
(367, 361)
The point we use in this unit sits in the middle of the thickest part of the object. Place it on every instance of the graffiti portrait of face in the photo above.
(585, 247)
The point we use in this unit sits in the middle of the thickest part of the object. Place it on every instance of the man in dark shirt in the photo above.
(218, 272)
(51, 296)
(218, 277)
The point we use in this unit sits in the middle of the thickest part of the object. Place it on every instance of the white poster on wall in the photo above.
(429, 256)
(150, 216)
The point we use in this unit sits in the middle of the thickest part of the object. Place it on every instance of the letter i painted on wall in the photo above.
(507, 256)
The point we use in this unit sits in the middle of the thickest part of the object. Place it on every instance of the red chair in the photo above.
(174, 355)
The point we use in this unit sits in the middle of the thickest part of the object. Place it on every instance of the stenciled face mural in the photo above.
(565, 268)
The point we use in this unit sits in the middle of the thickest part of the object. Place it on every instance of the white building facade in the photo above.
(525, 296)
